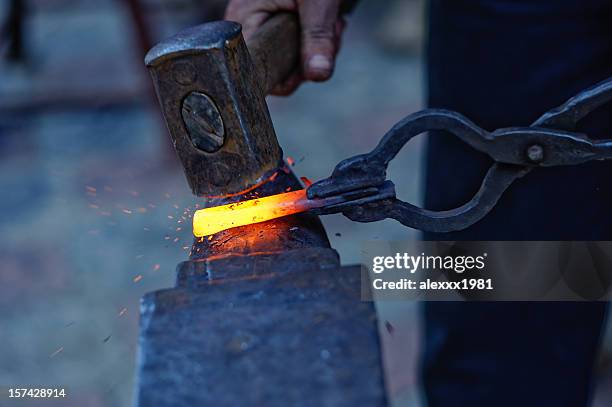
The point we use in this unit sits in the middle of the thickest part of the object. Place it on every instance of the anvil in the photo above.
(262, 314)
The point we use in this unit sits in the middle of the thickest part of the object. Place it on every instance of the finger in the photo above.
(253, 13)
(252, 23)
(340, 26)
(237, 10)
(289, 85)
(318, 19)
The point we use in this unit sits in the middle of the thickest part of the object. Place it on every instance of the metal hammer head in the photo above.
(215, 108)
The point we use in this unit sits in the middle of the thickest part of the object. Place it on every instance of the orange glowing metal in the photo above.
(212, 220)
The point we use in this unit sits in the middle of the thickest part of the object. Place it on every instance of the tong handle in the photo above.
(429, 120)
(566, 116)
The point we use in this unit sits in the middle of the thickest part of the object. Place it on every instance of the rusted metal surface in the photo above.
(212, 60)
(203, 122)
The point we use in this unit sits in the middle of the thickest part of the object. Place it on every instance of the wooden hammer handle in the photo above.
(275, 49)
(275, 46)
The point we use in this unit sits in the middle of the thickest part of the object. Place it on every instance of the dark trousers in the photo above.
(503, 63)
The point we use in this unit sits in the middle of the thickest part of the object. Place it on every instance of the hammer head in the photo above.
(215, 108)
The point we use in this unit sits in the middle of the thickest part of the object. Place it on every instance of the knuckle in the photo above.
(276, 5)
(231, 10)
(318, 32)
(236, 10)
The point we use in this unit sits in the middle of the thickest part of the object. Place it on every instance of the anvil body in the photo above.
(267, 330)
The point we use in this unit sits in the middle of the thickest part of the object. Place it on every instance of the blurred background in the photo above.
(93, 208)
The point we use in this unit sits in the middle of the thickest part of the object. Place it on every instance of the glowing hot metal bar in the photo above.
(215, 219)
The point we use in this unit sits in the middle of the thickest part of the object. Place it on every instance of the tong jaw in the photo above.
(352, 174)
(567, 116)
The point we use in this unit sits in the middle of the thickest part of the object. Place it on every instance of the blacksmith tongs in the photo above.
(359, 183)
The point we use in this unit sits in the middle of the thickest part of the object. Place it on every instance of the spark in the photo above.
(137, 278)
(127, 211)
(156, 267)
(57, 352)
(122, 312)
(306, 181)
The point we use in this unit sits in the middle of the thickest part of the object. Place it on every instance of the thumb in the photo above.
(318, 21)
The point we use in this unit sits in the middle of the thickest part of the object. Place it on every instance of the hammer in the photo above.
(211, 86)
